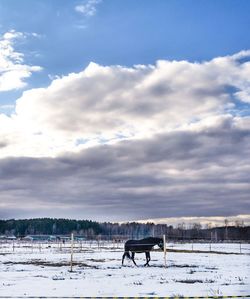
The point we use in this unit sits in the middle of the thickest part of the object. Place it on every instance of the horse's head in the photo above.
(161, 244)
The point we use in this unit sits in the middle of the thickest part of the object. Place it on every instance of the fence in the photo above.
(155, 297)
(8, 246)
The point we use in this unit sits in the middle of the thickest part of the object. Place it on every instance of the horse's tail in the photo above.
(126, 254)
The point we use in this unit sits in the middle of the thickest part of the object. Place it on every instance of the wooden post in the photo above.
(164, 247)
(240, 247)
(71, 257)
(211, 239)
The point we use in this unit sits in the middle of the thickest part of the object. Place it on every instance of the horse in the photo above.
(140, 246)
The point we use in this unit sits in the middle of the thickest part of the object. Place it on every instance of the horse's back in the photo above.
(129, 244)
(138, 245)
(145, 241)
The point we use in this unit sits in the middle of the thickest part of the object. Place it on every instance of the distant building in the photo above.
(40, 238)
(3, 237)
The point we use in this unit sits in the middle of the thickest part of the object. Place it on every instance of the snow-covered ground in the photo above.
(43, 270)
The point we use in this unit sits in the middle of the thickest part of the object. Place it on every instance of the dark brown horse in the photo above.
(140, 246)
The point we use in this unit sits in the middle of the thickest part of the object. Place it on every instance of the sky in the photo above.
(116, 110)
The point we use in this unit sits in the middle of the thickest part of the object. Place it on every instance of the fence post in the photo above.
(164, 247)
(71, 257)
(240, 247)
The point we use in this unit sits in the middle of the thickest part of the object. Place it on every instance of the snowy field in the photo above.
(43, 270)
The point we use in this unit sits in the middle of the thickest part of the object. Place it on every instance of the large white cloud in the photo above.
(104, 104)
(169, 139)
(13, 70)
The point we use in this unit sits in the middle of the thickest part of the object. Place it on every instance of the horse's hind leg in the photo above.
(123, 257)
(147, 258)
(133, 258)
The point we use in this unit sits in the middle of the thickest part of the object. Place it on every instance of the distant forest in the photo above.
(93, 230)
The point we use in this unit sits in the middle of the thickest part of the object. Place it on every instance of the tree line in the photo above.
(134, 230)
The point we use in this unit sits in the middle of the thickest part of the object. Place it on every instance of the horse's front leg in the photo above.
(133, 258)
(147, 258)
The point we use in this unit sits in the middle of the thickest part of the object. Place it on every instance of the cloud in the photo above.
(13, 70)
(126, 143)
(181, 173)
(209, 221)
(88, 8)
(106, 104)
